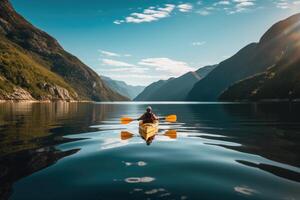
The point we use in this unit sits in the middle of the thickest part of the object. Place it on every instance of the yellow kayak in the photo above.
(148, 130)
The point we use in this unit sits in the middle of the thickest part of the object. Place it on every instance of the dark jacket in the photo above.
(148, 117)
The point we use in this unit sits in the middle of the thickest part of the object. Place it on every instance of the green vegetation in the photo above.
(33, 64)
(279, 82)
(19, 68)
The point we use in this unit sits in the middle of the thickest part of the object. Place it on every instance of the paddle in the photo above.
(125, 135)
(172, 134)
(169, 118)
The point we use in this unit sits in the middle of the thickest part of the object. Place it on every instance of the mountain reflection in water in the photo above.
(239, 150)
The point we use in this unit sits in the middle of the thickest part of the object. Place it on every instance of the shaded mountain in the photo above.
(252, 59)
(173, 89)
(280, 81)
(150, 90)
(123, 88)
(35, 66)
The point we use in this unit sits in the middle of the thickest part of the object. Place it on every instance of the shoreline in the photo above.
(45, 101)
(155, 102)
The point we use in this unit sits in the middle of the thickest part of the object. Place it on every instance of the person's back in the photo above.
(148, 116)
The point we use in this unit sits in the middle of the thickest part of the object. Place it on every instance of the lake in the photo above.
(214, 151)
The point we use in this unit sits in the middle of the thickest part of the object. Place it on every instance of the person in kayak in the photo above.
(148, 116)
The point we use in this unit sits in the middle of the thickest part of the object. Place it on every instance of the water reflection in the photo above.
(24, 163)
(148, 138)
(228, 150)
(34, 125)
(29, 132)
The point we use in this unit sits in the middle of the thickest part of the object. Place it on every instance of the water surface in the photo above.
(214, 151)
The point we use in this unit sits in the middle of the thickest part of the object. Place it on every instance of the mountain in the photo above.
(33, 66)
(173, 89)
(123, 88)
(150, 90)
(281, 80)
(253, 59)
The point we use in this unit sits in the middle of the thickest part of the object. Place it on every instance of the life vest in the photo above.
(148, 118)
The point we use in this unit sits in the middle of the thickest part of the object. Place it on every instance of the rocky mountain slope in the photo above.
(33, 66)
(174, 89)
(252, 59)
(123, 88)
(281, 80)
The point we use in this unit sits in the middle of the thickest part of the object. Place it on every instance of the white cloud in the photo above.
(198, 43)
(130, 70)
(148, 15)
(285, 4)
(222, 3)
(203, 12)
(118, 22)
(241, 6)
(113, 54)
(186, 7)
(108, 53)
(245, 4)
(116, 63)
(173, 67)
(296, 2)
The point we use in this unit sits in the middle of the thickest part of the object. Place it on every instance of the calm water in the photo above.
(219, 151)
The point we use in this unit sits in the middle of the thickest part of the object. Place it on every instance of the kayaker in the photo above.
(148, 116)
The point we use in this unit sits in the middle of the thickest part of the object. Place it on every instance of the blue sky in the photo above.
(141, 41)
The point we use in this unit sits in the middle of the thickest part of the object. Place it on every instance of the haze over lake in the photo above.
(219, 151)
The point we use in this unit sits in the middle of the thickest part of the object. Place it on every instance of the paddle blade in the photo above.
(171, 118)
(125, 135)
(171, 134)
(126, 120)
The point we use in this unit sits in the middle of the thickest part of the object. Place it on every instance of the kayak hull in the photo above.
(148, 130)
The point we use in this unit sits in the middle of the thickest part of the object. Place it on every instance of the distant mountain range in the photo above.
(33, 66)
(173, 89)
(123, 88)
(268, 69)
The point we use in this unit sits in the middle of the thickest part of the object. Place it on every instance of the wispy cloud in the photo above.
(287, 4)
(173, 67)
(198, 43)
(203, 12)
(154, 13)
(130, 70)
(108, 53)
(116, 63)
(112, 54)
(242, 6)
(186, 7)
(222, 3)
(148, 15)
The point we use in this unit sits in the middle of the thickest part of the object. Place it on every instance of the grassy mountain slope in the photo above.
(18, 69)
(43, 53)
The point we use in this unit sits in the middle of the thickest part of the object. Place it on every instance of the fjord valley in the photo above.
(149, 100)
(267, 70)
